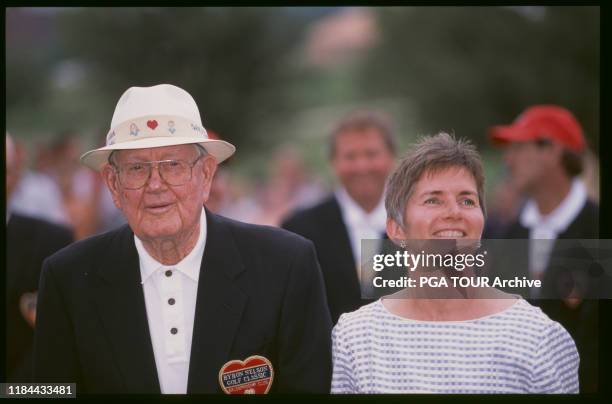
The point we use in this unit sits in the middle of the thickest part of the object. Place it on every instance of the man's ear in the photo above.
(112, 182)
(394, 230)
(209, 167)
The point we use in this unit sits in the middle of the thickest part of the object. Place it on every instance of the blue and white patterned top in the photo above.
(518, 350)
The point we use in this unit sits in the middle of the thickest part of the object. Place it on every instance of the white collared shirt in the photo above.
(548, 227)
(360, 224)
(170, 302)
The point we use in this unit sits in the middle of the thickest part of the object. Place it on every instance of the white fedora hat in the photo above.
(162, 115)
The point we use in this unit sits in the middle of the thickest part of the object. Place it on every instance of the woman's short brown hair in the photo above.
(431, 153)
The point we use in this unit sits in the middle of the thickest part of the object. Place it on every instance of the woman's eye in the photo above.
(432, 201)
(468, 202)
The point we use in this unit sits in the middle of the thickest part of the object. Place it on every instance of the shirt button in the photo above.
(168, 273)
(171, 301)
(173, 330)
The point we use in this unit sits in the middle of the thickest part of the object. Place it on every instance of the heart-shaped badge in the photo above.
(152, 124)
(254, 375)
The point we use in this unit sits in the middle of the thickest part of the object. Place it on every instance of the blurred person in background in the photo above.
(544, 149)
(37, 194)
(219, 192)
(29, 241)
(362, 154)
(170, 301)
(64, 190)
(232, 197)
(80, 188)
(288, 187)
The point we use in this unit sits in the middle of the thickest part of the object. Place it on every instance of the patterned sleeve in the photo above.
(343, 377)
(556, 363)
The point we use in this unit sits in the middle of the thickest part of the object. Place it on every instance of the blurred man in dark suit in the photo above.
(544, 150)
(28, 242)
(362, 152)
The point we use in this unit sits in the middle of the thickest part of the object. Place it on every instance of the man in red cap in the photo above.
(543, 151)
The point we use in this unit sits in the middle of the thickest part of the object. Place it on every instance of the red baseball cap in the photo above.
(542, 122)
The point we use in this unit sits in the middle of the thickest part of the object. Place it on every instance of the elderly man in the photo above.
(362, 154)
(179, 300)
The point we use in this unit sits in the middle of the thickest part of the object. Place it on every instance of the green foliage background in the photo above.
(460, 69)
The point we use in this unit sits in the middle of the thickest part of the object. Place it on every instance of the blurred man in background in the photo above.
(58, 189)
(37, 193)
(362, 152)
(29, 241)
(80, 188)
(544, 153)
(288, 187)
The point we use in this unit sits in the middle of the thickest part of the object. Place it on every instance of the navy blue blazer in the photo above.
(28, 242)
(260, 291)
(324, 226)
(582, 322)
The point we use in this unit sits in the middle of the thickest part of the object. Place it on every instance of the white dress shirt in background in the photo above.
(544, 229)
(360, 224)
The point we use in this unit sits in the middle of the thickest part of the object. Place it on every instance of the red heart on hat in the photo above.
(254, 375)
(152, 124)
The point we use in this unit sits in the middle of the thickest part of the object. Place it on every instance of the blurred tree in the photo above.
(234, 61)
(30, 49)
(468, 68)
(461, 68)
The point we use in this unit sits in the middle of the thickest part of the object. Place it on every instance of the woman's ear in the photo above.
(395, 231)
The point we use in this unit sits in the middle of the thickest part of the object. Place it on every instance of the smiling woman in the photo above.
(409, 343)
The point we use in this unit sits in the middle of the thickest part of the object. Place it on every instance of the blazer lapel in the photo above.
(219, 307)
(342, 244)
(119, 298)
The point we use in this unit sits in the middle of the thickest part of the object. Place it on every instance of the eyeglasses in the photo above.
(173, 172)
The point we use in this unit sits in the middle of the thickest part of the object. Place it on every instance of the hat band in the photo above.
(155, 126)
